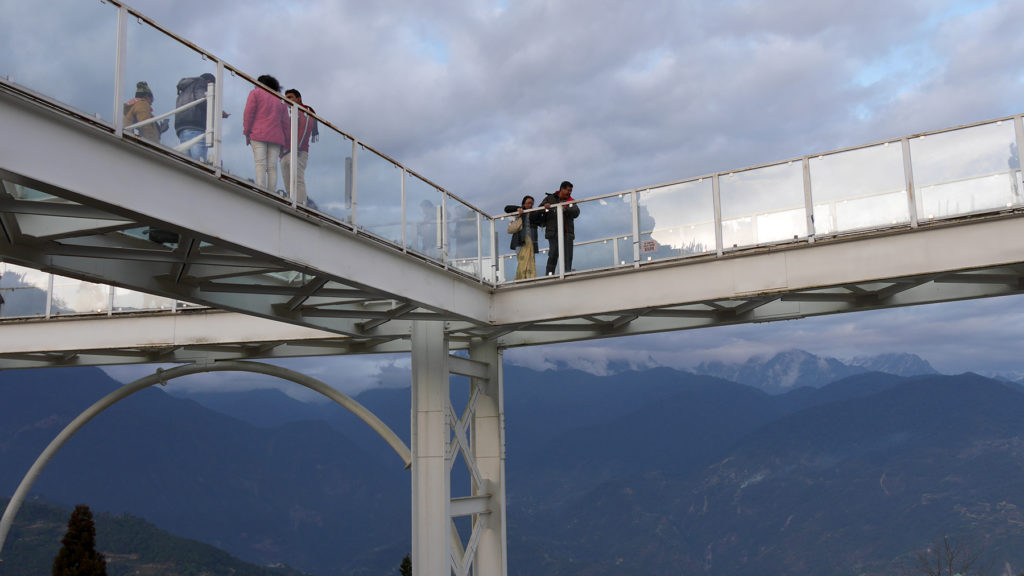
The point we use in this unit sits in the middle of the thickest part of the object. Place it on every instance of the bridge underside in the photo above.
(77, 201)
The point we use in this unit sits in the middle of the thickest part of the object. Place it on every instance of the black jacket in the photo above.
(530, 222)
(190, 90)
(550, 218)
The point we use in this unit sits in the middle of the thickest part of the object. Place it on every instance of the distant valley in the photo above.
(839, 470)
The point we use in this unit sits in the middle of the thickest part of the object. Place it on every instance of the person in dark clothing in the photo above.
(550, 221)
(524, 242)
(191, 123)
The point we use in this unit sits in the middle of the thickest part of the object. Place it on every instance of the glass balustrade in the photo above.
(379, 195)
(463, 229)
(966, 171)
(329, 174)
(602, 228)
(859, 189)
(64, 50)
(72, 296)
(423, 204)
(25, 291)
(173, 73)
(132, 301)
(763, 205)
(677, 220)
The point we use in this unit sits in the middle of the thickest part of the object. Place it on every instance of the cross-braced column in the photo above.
(440, 436)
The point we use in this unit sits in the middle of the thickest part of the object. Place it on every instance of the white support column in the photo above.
(431, 491)
(488, 434)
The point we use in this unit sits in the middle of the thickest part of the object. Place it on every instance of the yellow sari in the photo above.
(526, 263)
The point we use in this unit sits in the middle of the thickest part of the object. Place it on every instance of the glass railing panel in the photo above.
(329, 174)
(249, 160)
(24, 291)
(859, 189)
(131, 301)
(173, 73)
(763, 205)
(72, 296)
(379, 195)
(967, 170)
(600, 225)
(463, 237)
(423, 231)
(486, 239)
(65, 50)
(677, 220)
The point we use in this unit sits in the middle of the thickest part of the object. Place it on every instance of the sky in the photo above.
(494, 99)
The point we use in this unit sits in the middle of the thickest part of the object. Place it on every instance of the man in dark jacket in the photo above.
(569, 214)
(191, 123)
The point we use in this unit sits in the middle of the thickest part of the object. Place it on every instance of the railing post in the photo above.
(293, 153)
(1018, 127)
(49, 296)
(479, 248)
(494, 253)
(119, 67)
(218, 119)
(635, 206)
(354, 174)
(808, 199)
(442, 228)
(560, 218)
(908, 173)
(404, 219)
(716, 194)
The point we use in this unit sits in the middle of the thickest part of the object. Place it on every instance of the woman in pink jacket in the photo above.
(265, 125)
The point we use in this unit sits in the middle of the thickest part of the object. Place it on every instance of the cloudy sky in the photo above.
(494, 99)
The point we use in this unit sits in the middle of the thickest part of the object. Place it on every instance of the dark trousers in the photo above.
(552, 266)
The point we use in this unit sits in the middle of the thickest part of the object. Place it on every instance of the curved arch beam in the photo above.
(162, 377)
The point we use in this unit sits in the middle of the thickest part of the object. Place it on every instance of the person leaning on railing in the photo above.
(569, 214)
(524, 237)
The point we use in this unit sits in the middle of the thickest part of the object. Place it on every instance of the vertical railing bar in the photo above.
(442, 226)
(218, 119)
(717, 199)
(808, 199)
(119, 67)
(494, 253)
(405, 242)
(635, 204)
(293, 153)
(355, 186)
(110, 300)
(49, 296)
(479, 248)
(560, 218)
(1018, 127)
(908, 174)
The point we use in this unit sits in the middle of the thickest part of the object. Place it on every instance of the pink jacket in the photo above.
(265, 118)
(307, 129)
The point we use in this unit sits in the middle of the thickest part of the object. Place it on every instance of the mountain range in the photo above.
(639, 472)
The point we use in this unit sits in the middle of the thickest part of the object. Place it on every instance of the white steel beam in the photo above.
(64, 154)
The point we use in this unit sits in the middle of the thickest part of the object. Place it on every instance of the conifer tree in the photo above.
(406, 568)
(78, 556)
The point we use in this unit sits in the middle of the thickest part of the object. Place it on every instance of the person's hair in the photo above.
(565, 184)
(270, 82)
(293, 91)
(525, 198)
(208, 77)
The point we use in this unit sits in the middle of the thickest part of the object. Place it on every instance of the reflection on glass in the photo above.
(329, 174)
(966, 170)
(23, 291)
(463, 240)
(162, 75)
(63, 49)
(600, 225)
(379, 195)
(77, 297)
(858, 189)
(422, 217)
(677, 220)
(763, 205)
(130, 301)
